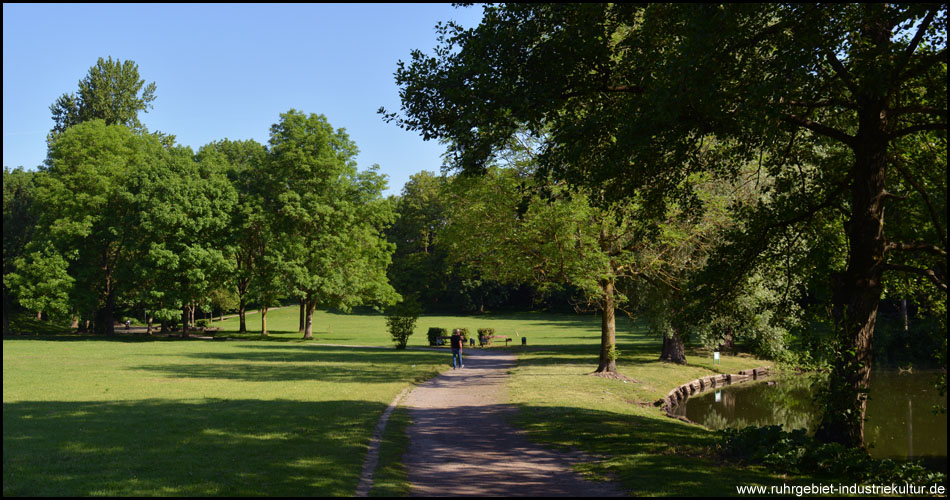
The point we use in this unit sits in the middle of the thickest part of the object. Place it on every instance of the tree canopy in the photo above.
(112, 91)
(843, 105)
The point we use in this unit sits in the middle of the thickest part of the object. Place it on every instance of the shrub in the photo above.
(401, 321)
(465, 334)
(434, 334)
(483, 334)
(794, 452)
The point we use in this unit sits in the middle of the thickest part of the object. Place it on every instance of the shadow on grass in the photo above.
(162, 448)
(647, 455)
(273, 363)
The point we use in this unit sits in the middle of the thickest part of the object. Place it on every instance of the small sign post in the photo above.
(716, 360)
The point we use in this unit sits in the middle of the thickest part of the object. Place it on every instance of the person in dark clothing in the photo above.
(457, 349)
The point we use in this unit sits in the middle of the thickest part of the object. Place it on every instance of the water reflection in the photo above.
(900, 421)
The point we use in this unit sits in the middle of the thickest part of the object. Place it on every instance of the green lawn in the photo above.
(194, 418)
(649, 453)
(137, 416)
(370, 329)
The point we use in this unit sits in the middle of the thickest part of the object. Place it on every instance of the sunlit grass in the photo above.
(193, 418)
(136, 416)
(370, 328)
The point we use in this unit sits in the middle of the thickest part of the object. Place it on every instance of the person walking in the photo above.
(457, 342)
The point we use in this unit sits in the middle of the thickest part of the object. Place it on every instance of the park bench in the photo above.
(488, 340)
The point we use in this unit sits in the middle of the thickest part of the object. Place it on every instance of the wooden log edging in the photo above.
(683, 392)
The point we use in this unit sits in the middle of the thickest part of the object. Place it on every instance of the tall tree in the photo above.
(90, 211)
(833, 97)
(244, 163)
(331, 216)
(419, 265)
(187, 224)
(19, 219)
(111, 91)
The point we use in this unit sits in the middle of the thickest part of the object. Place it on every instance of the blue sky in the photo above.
(227, 70)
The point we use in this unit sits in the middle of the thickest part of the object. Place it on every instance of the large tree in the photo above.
(90, 211)
(331, 216)
(248, 235)
(184, 228)
(844, 104)
(111, 91)
(19, 220)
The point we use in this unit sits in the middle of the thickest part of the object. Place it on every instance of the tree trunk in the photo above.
(242, 309)
(857, 291)
(264, 321)
(184, 321)
(39, 315)
(303, 315)
(608, 331)
(728, 342)
(308, 332)
(674, 351)
(105, 318)
(148, 328)
(904, 315)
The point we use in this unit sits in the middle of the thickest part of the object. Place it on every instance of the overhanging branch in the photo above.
(917, 128)
(914, 246)
(820, 129)
(930, 274)
(923, 193)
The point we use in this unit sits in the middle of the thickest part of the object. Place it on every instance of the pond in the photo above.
(901, 423)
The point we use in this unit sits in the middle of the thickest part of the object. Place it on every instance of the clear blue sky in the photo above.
(227, 71)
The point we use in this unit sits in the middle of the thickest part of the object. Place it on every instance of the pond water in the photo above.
(901, 423)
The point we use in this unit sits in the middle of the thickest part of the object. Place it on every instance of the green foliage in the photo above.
(464, 333)
(795, 453)
(330, 216)
(185, 256)
(111, 91)
(434, 334)
(485, 332)
(92, 201)
(625, 99)
(401, 321)
(41, 282)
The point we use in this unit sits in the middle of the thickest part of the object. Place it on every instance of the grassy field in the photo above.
(137, 416)
(194, 418)
(370, 329)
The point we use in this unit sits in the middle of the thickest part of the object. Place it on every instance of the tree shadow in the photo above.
(163, 448)
(277, 363)
(649, 456)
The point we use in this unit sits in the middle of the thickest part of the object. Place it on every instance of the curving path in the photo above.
(459, 443)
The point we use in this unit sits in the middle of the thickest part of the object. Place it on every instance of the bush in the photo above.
(465, 334)
(484, 333)
(401, 321)
(795, 453)
(434, 334)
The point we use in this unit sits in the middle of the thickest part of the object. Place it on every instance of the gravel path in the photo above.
(461, 445)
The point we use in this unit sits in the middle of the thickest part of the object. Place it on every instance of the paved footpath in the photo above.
(459, 443)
